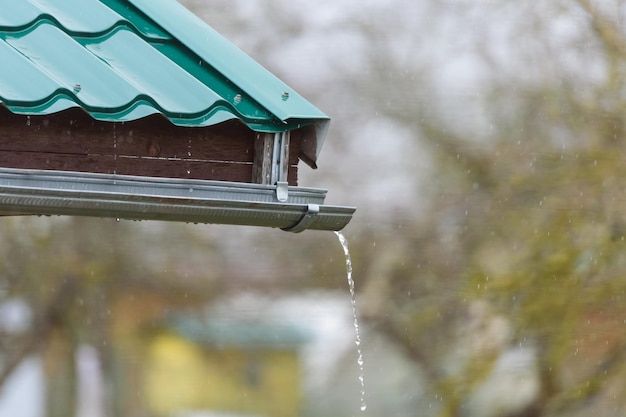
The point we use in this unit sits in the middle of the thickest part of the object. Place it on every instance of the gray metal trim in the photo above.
(306, 220)
(146, 198)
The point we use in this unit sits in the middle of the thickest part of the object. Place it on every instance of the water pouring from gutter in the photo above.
(344, 244)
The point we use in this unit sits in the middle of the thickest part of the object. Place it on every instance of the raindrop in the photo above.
(189, 154)
(27, 120)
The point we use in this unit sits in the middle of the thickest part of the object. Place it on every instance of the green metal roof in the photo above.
(122, 60)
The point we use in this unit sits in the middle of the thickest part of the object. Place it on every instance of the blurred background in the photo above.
(483, 144)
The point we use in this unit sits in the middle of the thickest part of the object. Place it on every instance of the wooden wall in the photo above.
(73, 141)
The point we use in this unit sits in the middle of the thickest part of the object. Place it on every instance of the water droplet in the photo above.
(27, 120)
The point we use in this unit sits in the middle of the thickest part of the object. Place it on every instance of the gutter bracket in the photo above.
(306, 220)
(282, 191)
(280, 165)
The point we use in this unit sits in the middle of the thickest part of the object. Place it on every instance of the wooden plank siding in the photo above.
(153, 147)
(263, 150)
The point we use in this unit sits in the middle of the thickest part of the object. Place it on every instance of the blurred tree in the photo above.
(77, 277)
(525, 215)
(515, 238)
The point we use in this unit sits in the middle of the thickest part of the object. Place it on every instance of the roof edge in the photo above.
(192, 31)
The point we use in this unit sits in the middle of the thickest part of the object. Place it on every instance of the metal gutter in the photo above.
(43, 192)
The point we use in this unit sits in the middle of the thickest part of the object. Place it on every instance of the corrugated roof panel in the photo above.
(79, 16)
(150, 72)
(126, 59)
(25, 83)
(227, 59)
(17, 14)
(80, 73)
(144, 25)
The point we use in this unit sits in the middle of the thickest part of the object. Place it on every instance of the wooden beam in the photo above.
(73, 141)
(283, 157)
(263, 153)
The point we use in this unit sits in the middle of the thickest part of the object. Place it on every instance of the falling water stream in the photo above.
(357, 340)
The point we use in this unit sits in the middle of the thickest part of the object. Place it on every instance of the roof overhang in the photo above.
(41, 192)
(122, 60)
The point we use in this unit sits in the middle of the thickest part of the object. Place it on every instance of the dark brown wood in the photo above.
(73, 141)
(294, 159)
(262, 167)
(125, 165)
(263, 149)
(306, 145)
(284, 158)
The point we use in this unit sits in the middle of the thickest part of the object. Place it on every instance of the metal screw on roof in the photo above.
(285, 95)
(77, 88)
(237, 99)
